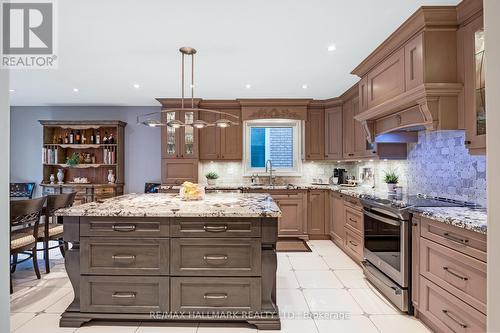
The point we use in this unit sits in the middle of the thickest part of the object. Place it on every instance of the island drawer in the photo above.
(465, 241)
(458, 273)
(445, 312)
(193, 294)
(124, 294)
(124, 256)
(215, 256)
(124, 227)
(215, 227)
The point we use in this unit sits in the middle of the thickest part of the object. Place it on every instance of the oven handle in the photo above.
(396, 223)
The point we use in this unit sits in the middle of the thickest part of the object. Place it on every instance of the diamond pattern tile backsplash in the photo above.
(440, 164)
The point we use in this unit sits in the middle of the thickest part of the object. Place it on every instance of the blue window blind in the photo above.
(274, 143)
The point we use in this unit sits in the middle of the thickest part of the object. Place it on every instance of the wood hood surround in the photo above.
(411, 80)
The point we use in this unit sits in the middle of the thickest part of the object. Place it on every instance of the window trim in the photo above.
(297, 127)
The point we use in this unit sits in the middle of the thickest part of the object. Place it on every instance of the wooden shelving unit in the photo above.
(96, 170)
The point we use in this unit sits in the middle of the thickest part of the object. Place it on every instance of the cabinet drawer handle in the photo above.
(210, 228)
(463, 278)
(453, 317)
(123, 228)
(352, 243)
(215, 257)
(120, 294)
(123, 257)
(215, 296)
(455, 238)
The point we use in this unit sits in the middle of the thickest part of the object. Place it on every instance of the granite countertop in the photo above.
(461, 217)
(171, 205)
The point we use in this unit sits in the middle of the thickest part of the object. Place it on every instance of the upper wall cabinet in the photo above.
(315, 133)
(333, 133)
(179, 142)
(221, 143)
(415, 66)
(471, 50)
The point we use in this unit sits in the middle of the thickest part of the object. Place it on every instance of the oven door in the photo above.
(386, 245)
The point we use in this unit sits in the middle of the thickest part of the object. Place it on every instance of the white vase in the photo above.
(60, 176)
(390, 187)
(111, 177)
(211, 182)
(52, 178)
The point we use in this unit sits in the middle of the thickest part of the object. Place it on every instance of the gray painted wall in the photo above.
(142, 144)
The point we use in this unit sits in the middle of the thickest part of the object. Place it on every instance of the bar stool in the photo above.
(52, 229)
(24, 223)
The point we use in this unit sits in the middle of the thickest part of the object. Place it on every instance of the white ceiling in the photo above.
(276, 46)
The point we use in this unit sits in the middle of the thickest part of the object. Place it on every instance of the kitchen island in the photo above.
(155, 257)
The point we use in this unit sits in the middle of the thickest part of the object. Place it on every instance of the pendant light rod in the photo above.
(192, 80)
(182, 82)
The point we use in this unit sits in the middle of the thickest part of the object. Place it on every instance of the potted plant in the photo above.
(391, 178)
(73, 161)
(211, 178)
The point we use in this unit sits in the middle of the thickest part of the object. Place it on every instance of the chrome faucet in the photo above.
(269, 168)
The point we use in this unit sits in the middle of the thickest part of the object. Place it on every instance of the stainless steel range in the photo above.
(387, 239)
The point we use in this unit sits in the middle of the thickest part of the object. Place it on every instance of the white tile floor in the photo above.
(311, 286)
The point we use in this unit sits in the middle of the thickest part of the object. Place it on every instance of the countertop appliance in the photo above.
(339, 176)
(387, 243)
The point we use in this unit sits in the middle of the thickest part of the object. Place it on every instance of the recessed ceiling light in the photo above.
(76, 90)
(136, 85)
(12, 90)
(248, 86)
(332, 47)
(304, 86)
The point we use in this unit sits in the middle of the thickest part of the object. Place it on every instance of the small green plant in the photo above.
(212, 175)
(73, 160)
(391, 177)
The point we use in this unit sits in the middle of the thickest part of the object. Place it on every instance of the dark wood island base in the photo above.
(191, 269)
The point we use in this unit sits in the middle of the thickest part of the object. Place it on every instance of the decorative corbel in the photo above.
(369, 128)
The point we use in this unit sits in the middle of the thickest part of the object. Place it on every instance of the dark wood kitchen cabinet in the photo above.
(318, 213)
(221, 143)
(333, 133)
(337, 232)
(315, 134)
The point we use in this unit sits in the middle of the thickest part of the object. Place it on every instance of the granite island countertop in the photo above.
(171, 205)
(462, 217)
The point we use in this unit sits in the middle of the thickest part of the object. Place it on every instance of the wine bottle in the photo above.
(71, 137)
(92, 138)
(66, 138)
(111, 139)
(98, 138)
(105, 139)
(78, 137)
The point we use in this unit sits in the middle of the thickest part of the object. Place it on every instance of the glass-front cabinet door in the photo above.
(171, 136)
(179, 142)
(479, 83)
(474, 86)
(188, 135)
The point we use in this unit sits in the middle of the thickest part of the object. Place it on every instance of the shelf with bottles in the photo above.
(79, 166)
(81, 146)
(89, 137)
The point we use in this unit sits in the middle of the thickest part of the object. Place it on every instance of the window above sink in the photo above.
(278, 140)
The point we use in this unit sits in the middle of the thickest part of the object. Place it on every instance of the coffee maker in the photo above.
(338, 176)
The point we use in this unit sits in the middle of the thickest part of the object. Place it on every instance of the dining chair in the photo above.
(53, 229)
(24, 223)
(22, 190)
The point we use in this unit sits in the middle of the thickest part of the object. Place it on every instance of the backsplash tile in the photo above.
(440, 165)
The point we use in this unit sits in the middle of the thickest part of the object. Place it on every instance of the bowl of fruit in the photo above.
(191, 191)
